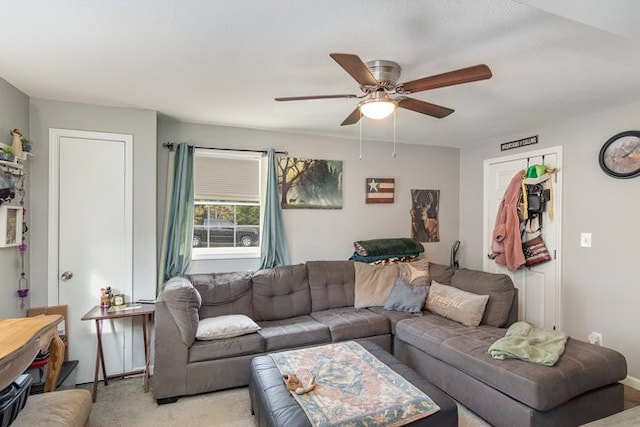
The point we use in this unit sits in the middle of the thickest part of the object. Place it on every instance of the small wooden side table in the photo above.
(97, 313)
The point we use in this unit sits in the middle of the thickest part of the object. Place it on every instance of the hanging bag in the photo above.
(535, 251)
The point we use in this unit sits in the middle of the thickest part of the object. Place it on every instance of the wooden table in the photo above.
(97, 313)
(20, 341)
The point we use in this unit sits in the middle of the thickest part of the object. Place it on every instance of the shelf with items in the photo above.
(14, 167)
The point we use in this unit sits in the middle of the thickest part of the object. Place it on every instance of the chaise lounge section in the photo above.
(313, 303)
(580, 387)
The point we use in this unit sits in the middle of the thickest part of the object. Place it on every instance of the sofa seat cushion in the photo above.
(226, 347)
(295, 332)
(583, 367)
(348, 323)
(393, 316)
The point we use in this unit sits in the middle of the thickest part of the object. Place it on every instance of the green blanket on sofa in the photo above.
(527, 342)
(395, 246)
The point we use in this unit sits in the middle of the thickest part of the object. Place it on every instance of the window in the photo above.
(227, 187)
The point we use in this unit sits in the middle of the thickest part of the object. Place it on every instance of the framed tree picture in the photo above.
(310, 183)
(10, 226)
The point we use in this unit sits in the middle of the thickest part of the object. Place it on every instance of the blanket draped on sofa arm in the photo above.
(526, 342)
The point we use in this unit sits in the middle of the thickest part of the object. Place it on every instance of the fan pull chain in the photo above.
(360, 126)
(394, 133)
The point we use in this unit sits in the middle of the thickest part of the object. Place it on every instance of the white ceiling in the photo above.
(223, 62)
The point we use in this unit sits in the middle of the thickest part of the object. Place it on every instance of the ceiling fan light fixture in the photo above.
(378, 106)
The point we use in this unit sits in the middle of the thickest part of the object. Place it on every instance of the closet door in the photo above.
(539, 287)
(91, 239)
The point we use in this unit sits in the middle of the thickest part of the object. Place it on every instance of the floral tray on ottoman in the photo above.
(350, 377)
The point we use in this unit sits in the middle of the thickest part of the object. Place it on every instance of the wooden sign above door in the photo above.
(519, 143)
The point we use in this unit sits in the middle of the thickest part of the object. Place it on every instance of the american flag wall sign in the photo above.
(380, 190)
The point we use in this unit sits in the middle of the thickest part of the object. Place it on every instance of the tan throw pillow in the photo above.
(415, 273)
(373, 284)
(455, 304)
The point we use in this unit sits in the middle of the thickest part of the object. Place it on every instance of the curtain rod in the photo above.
(170, 146)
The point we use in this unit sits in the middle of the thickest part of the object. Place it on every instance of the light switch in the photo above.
(585, 240)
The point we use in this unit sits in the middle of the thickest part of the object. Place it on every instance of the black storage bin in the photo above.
(13, 399)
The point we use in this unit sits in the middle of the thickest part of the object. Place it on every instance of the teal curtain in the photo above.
(273, 247)
(178, 225)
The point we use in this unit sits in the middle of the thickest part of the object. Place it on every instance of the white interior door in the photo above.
(91, 239)
(538, 286)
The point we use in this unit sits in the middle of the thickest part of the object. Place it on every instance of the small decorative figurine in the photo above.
(105, 297)
(16, 143)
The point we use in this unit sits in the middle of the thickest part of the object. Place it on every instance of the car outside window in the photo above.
(227, 206)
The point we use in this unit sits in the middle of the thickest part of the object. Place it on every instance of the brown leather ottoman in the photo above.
(273, 405)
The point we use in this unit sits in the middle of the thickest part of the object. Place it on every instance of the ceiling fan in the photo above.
(379, 80)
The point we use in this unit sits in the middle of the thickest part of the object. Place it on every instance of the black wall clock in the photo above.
(620, 155)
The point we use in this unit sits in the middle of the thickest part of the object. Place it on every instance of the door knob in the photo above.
(66, 276)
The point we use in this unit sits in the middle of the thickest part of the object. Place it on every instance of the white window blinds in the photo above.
(226, 177)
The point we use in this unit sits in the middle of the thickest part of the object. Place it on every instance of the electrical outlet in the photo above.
(595, 338)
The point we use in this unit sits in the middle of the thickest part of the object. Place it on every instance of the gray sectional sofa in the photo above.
(313, 303)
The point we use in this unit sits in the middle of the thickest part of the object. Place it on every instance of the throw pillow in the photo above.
(405, 297)
(415, 273)
(373, 284)
(227, 326)
(455, 304)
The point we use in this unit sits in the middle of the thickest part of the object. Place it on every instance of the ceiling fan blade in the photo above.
(353, 65)
(353, 118)
(423, 107)
(302, 98)
(464, 75)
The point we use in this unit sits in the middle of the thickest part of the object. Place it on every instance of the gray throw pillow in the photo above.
(405, 297)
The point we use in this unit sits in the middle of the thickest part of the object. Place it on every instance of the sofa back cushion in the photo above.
(441, 273)
(281, 292)
(223, 293)
(499, 287)
(331, 283)
(182, 301)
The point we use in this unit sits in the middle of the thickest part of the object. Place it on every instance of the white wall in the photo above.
(600, 286)
(329, 234)
(14, 113)
(141, 124)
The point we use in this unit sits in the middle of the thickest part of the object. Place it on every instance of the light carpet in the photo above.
(124, 403)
